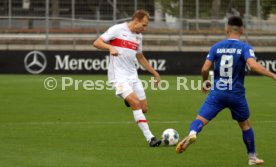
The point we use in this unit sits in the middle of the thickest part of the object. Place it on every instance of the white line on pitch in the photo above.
(121, 122)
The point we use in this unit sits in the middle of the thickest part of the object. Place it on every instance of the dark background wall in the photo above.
(96, 62)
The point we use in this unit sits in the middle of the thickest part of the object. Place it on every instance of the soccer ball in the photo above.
(170, 137)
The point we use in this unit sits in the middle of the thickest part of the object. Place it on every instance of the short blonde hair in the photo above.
(140, 14)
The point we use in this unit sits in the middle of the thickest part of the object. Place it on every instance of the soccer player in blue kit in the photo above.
(229, 57)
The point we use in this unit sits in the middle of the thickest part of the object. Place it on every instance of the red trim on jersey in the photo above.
(124, 44)
(141, 121)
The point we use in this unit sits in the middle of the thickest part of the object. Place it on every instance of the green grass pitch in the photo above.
(42, 128)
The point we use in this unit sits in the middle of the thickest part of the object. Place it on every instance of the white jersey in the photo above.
(122, 68)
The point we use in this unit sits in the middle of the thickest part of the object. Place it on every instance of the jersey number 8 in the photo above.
(226, 66)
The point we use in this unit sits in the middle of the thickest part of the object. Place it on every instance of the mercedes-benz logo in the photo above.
(35, 62)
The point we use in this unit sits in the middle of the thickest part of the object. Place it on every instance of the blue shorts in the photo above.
(215, 103)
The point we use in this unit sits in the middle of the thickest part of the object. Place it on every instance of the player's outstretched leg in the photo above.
(185, 143)
(195, 127)
(141, 120)
(143, 125)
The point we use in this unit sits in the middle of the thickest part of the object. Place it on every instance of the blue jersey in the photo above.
(229, 57)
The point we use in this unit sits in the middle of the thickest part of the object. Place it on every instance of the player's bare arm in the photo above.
(205, 74)
(100, 44)
(256, 67)
(142, 60)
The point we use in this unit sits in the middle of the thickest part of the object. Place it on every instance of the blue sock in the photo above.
(248, 139)
(196, 125)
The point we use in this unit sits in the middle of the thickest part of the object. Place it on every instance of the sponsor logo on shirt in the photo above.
(124, 44)
(251, 53)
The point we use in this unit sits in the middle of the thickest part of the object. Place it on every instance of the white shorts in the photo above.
(123, 89)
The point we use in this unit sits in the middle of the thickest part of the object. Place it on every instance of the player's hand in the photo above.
(206, 86)
(113, 51)
(156, 79)
(274, 77)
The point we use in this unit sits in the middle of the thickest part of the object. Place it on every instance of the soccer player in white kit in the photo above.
(124, 42)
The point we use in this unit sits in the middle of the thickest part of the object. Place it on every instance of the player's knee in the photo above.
(245, 125)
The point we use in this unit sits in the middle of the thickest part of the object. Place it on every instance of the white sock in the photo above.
(252, 155)
(142, 123)
(192, 132)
